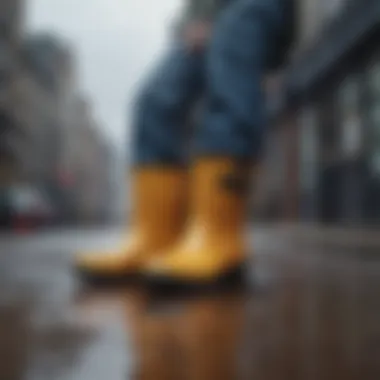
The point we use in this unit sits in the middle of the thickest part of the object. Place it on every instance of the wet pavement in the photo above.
(311, 310)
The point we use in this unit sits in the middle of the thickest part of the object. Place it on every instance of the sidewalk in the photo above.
(309, 310)
(274, 236)
(341, 236)
(318, 240)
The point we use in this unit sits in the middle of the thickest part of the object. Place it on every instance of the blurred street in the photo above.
(74, 116)
(311, 310)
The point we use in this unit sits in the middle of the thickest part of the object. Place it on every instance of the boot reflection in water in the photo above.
(186, 339)
(210, 333)
(196, 339)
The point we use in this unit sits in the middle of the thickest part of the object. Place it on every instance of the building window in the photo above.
(374, 117)
(350, 118)
(308, 148)
(374, 74)
(331, 8)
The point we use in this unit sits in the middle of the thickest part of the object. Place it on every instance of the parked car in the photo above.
(25, 208)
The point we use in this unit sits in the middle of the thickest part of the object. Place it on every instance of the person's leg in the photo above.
(234, 121)
(158, 176)
(162, 109)
(227, 145)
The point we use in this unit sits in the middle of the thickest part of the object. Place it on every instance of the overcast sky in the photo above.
(115, 42)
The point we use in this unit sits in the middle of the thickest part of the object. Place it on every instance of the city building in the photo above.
(86, 167)
(326, 123)
(11, 16)
(49, 138)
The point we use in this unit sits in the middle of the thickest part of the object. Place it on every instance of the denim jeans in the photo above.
(227, 76)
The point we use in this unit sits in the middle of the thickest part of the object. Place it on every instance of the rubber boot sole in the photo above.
(107, 280)
(233, 278)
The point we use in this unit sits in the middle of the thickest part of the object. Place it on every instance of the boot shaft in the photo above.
(159, 199)
(220, 193)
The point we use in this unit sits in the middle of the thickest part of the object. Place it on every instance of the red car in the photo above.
(30, 209)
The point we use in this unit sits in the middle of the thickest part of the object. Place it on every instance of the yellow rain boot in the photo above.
(213, 246)
(159, 198)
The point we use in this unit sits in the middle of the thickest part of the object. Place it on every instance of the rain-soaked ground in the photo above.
(311, 311)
